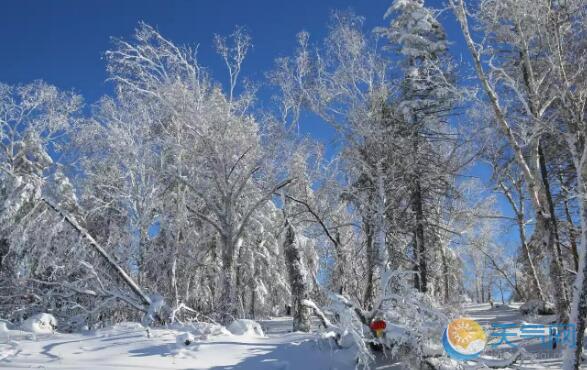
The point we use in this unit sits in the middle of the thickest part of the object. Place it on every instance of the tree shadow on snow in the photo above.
(500, 314)
(305, 355)
(163, 350)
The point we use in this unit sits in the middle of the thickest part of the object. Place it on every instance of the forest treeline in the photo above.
(180, 198)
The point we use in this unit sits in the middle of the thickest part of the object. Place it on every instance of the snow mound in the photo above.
(121, 327)
(185, 340)
(444, 363)
(201, 330)
(537, 307)
(246, 327)
(155, 309)
(205, 329)
(3, 328)
(42, 323)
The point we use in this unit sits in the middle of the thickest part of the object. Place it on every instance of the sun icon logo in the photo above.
(464, 339)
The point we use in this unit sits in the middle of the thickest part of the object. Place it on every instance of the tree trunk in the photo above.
(569, 220)
(420, 246)
(253, 284)
(368, 296)
(572, 356)
(483, 285)
(4, 249)
(227, 304)
(381, 255)
(298, 280)
(556, 242)
(253, 299)
(211, 275)
(543, 238)
(240, 286)
(341, 265)
(130, 283)
(579, 308)
(526, 249)
(519, 211)
(445, 274)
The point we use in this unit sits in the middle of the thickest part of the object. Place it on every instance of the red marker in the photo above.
(378, 326)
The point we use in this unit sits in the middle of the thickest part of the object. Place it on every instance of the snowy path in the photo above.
(127, 346)
(540, 356)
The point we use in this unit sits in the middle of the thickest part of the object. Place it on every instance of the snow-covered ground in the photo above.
(130, 346)
(535, 354)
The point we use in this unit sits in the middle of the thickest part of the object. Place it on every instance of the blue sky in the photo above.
(63, 41)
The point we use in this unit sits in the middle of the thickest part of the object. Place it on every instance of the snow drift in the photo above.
(246, 327)
(537, 307)
(42, 323)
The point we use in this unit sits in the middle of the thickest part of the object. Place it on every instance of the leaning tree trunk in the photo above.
(298, 278)
(134, 287)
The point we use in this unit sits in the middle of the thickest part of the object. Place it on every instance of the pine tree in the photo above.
(426, 99)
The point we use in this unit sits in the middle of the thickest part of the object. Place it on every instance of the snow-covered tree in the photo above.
(528, 88)
(347, 84)
(35, 118)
